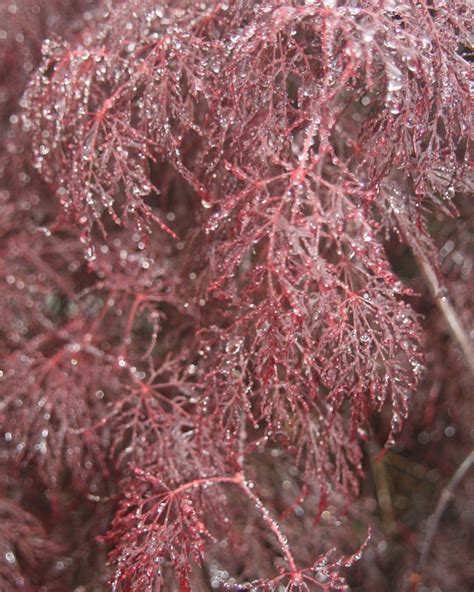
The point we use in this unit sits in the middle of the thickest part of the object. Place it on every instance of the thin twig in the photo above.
(435, 518)
(382, 487)
(442, 300)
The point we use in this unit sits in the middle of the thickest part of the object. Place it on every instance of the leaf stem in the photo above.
(244, 485)
(271, 523)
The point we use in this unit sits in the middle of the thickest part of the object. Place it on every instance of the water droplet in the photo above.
(395, 84)
(90, 253)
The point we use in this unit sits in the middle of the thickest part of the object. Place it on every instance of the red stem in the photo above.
(239, 480)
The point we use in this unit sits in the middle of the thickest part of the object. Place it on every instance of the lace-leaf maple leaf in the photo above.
(49, 405)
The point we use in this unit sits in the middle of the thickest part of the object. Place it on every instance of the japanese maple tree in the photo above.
(234, 236)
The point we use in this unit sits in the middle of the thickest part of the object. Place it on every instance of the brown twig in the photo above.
(442, 300)
(435, 518)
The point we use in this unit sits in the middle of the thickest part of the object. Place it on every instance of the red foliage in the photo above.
(205, 295)
(24, 546)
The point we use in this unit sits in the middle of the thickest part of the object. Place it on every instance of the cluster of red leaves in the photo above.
(199, 206)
